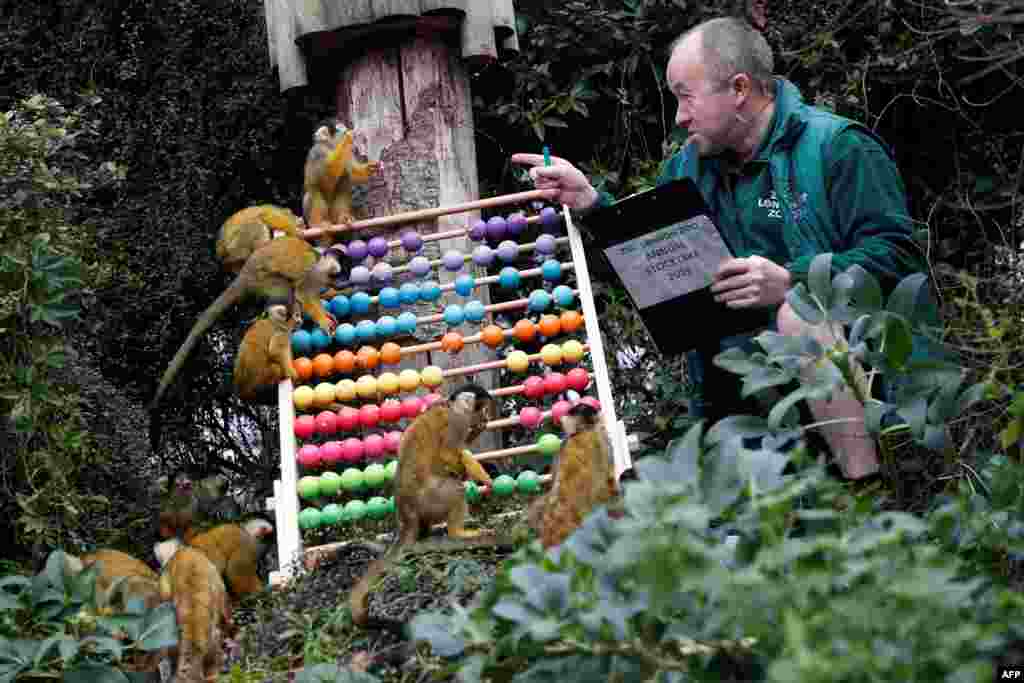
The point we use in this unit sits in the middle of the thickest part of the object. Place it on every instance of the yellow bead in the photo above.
(345, 390)
(387, 383)
(302, 397)
(323, 394)
(572, 351)
(366, 386)
(518, 361)
(432, 376)
(408, 380)
(551, 354)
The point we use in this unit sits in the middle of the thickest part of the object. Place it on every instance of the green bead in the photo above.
(375, 475)
(504, 485)
(392, 469)
(352, 479)
(309, 487)
(331, 514)
(356, 509)
(309, 518)
(391, 505)
(527, 482)
(377, 507)
(472, 492)
(548, 444)
(330, 483)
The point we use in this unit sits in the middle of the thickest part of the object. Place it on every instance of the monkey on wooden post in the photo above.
(584, 479)
(432, 465)
(330, 172)
(247, 230)
(200, 599)
(264, 357)
(289, 268)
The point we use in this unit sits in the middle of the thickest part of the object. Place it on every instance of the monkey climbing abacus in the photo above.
(361, 375)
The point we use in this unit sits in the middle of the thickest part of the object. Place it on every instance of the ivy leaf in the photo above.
(159, 629)
(736, 361)
(906, 298)
(856, 290)
(819, 279)
(436, 629)
(803, 305)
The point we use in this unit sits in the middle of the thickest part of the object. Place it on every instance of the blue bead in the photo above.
(340, 306)
(539, 300)
(360, 302)
(387, 326)
(407, 322)
(508, 278)
(409, 293)
(320, 339)
(464, 285)
(474, 311)
(366, 330)
(563, 295)
(389, 297)
(430, 291)
(551, 270)
(302, 343)
(345, 334)
(453, 314)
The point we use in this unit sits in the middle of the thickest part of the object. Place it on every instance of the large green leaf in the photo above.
(806, 308)
(819, 279)
(437, 630)
(909, 296)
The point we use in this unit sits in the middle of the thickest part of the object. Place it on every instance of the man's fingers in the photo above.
(729, 267)
(534, 159)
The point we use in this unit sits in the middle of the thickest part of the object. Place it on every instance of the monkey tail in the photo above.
(359, 596)
(206, 320)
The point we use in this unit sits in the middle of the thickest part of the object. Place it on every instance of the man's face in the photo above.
(706, 109)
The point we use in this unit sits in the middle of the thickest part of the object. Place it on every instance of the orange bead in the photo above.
(344, 361)
(524, 330)
(452, 342)
(550, 325)
(492, 335)
(367, 358)
(303, 366)
(323, 365)
(571, 321)
(390, 353)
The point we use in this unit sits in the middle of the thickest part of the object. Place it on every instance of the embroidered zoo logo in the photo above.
(771, 202)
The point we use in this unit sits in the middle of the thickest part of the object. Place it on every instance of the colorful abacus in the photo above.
(361, 437)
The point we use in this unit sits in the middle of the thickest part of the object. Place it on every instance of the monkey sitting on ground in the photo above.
(200, 599)
(429, 485)
(264, 357)
(235, 550)
(120, 578)
(288, 267)
(330, 172)
(584, 478)
(247, 230)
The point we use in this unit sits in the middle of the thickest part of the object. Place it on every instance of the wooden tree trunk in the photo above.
(410, 108)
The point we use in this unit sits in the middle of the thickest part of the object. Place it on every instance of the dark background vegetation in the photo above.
(188, 111)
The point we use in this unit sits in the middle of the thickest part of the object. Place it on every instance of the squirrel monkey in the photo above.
(247, 230)
(200, 599)
(330, 172)
(432, 463)
(189, 503)
(120, 578)
(265, 355)
(584, 480)
(285, 268)
(235, 550)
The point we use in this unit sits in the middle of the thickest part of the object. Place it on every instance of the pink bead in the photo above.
(390, 411)
(309, 456)
(592, 402)
(559, 410)
(533, 387)
(411, 407)
(530, 417)
(348, 419)
(391, 441)
(577, 379)
(326, 423)
(352, 450)
(373, 446)
(304, 426)
(431, 399)
(554, 383)
(330, 452)
(369, 415)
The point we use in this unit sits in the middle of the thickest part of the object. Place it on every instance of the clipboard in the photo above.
(664, 248)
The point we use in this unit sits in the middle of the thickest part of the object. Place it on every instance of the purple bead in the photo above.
(411, 241)
(508, 250)
(360, 275)
(382, 271)
(453, 260)
(496, 228)
(546, 244)
(377, 247)
(478, 231)
(357, 250)
(483, 255)
(419, 266)
(551, 220)
(516, 223)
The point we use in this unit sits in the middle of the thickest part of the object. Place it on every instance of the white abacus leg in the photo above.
(286, 498)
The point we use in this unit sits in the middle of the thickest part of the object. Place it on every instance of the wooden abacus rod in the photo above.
(429, 214)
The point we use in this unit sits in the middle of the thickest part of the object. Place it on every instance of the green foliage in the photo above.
(50, 627)
(333, 673)
(726, 569)
(929, 391)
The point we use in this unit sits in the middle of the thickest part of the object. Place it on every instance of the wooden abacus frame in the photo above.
(286, 500)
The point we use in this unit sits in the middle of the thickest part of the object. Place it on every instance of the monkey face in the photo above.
(278, 313)
(182, 483)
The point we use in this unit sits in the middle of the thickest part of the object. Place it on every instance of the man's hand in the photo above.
(574, 190)
(751, 282)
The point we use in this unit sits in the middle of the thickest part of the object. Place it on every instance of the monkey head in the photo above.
(179, 483)
(331, 263)
(281, 311)
(579, 418)
(477, 404)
